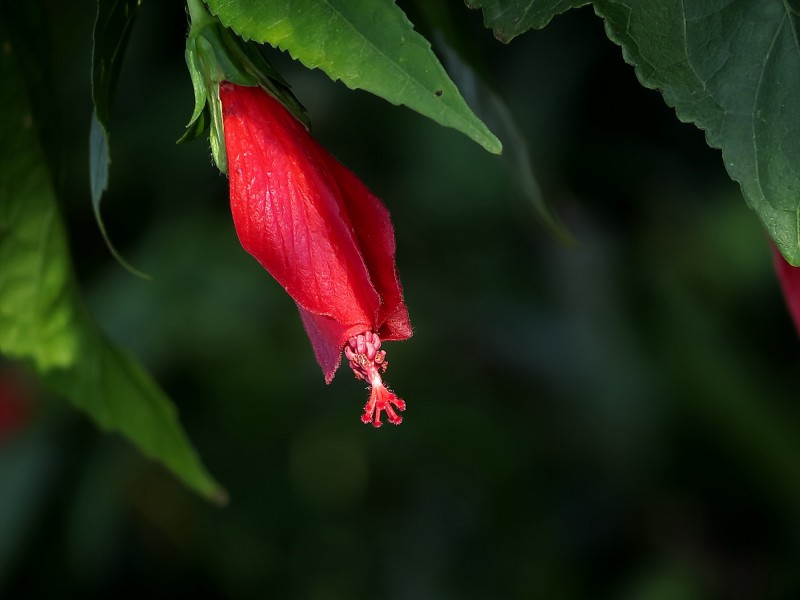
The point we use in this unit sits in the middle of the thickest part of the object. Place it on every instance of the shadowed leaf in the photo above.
(111, 32)
(731, 67)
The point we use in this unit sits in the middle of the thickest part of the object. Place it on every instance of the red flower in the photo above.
(320, 233)
(789, 278)
(15, 405)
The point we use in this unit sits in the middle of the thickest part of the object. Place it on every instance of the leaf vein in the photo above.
(753, 112)
(686, 49)
(792, 12)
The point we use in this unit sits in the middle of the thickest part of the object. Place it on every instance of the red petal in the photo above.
(287, 209)
(375, 235)
(327, 338)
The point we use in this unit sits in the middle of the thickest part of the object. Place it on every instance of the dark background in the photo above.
(613, 419)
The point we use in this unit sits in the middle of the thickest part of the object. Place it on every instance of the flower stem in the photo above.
(198, 13)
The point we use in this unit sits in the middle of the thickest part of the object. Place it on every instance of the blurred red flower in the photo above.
(320, 233)
(15, 406)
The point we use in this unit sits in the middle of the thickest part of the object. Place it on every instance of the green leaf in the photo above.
(368, 44)
(111, 32)
(732, 68)
(509, 18)
(42, 318)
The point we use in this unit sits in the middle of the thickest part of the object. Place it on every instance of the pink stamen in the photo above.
(368, 361)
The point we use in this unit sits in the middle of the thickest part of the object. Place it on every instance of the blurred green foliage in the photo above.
(613, 420)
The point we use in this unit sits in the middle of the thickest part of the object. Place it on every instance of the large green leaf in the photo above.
(112, 29)
(42, 319)
(731, 67)
(368, 44)
(509, 18)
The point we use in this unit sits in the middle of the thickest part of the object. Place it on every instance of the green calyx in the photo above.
(215, 54)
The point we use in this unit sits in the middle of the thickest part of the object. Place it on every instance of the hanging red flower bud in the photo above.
(320, 233)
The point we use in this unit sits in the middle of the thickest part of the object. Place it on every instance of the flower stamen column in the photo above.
(368, 361)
